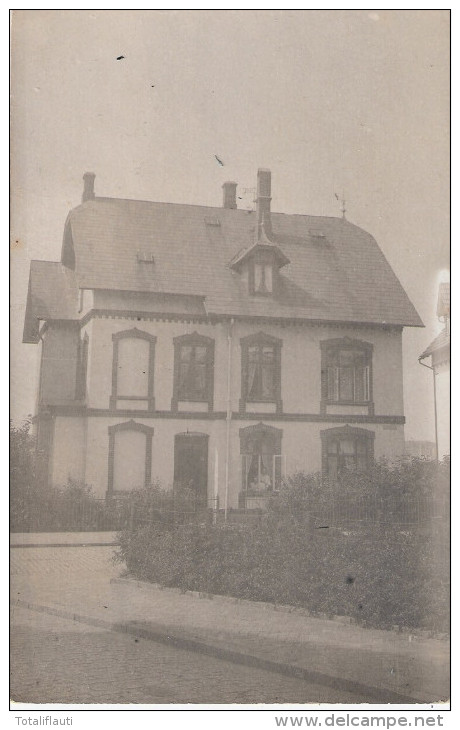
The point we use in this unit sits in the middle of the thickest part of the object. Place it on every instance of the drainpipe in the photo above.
(435, 405)
(229, 412)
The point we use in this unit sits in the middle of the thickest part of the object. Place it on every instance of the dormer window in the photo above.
(263, 278)
(259, 266)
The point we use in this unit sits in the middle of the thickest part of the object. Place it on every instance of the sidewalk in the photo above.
(386, 662)
(58, 539)
(392, 667)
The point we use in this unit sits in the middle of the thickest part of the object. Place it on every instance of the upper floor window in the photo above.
(346, 370)
(193, 369)
(263, 278)
(261, 369)
(346, 448)
(133, 370)
(261, 372)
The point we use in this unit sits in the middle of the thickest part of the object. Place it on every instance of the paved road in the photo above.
(59, 660)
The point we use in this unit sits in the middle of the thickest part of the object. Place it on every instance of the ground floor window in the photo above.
(130, 457)
(346, 448)
(261, 460)
(262, 473)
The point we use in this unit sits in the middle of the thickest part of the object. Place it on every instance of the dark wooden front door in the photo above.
(191, 464)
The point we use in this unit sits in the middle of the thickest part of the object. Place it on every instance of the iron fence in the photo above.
(399, 510)
(129, 513)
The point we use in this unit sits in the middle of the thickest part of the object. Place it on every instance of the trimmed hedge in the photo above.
(380, 574)
(385, 579)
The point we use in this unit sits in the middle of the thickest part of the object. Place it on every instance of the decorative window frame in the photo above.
(262, 340)
(345, 343)
(197, 340)
(247, 434)
(129, 426)
(273, 437)
(347, 432)
(133, 333)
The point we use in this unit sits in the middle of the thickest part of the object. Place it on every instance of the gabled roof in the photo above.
(439, 342)
(332, 270)
(53, 294)
(263, 244)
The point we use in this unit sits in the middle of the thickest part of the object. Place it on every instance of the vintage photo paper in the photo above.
(230, 338)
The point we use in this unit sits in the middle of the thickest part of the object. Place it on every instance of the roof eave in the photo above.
(280, 257)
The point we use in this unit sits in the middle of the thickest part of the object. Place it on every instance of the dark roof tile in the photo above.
(53, 294)
(336, 271)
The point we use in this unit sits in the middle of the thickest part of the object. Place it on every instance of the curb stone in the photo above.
(413, 634)
(142, 630)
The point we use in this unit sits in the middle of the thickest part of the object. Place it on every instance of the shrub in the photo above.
(153, 504)
(36, 506)
(382, 574)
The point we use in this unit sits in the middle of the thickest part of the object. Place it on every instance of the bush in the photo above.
(152, 504)
(382, 574)
(35, 506)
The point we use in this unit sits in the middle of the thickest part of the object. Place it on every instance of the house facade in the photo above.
(215, 347)
(437, 358)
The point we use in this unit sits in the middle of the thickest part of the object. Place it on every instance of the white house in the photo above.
(214, 346)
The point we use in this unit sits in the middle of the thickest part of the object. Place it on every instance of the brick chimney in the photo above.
(88, 190)
(229, 189)
(264, 191)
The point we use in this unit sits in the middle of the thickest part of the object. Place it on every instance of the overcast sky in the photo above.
(330, 101)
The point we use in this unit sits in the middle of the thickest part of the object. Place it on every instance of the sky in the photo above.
(339, 101)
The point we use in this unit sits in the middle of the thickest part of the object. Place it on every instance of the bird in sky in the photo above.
(219, 161)
(119, 58)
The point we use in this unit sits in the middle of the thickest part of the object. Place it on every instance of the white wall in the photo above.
(300, 362)
(68, 450)
(300, 391)
(443, 409)
(301, 447)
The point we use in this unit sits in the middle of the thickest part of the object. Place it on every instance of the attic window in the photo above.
(145, 257)
(263, 278)
(210, 221)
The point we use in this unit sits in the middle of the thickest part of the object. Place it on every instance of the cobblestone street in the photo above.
(76, 620)
(60, 660)
(56, 660)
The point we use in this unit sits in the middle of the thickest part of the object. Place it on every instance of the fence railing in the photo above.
(391, 510)
(97, 515)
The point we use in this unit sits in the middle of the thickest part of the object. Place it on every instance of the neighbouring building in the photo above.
(421, 449)
(216, 347)
(439, 353)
